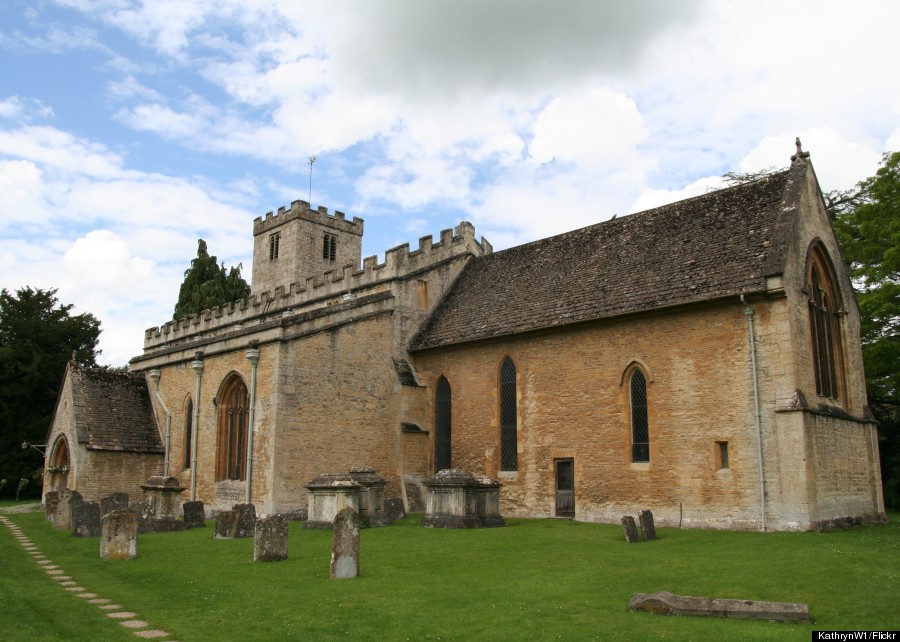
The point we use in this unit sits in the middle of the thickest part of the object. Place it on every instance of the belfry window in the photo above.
(640, 427)
(329, 247)
(274, 242)
(509, 457)
(232, 411)
(824, 325)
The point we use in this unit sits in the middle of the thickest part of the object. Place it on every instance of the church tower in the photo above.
(301, 242)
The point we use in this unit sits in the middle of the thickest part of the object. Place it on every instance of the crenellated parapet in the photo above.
(323, 290)
(302, 210)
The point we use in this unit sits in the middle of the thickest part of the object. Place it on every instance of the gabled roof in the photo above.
(704, 248)
(113, 411)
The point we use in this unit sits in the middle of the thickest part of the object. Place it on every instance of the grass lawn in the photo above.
(534, 579)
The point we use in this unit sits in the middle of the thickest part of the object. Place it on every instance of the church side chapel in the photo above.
(700, 359)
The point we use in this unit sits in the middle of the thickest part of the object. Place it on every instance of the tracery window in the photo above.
(640, 427)
(232, 410)
(274, 242)
(442, 425)
(508, 417)
(825, 325)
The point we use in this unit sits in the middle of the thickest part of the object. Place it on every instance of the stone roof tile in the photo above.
(699, 249)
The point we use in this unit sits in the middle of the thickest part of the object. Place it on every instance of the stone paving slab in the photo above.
(134, 624)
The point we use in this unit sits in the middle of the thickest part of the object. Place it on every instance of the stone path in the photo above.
(128, 619)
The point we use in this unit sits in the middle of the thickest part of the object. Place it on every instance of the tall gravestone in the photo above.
(270, 544)
(86, 519)
(51, 501)
(630, 528)
(246, 520)
(62, 518)
(114, 501)
(118, 535)
(194, 514)
(345, 545)
(648, 529)
(226, 524)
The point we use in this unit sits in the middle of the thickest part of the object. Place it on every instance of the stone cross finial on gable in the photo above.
(800, 153)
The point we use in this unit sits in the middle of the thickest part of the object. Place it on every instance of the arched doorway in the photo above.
(59, 465)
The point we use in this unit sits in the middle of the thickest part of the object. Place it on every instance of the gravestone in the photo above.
(62, 518)
(86, 519)
(114, 501)
(647, 528)
(665, 603)
(270, 543)
(226, 524)
(51, 500)
(118, 535)
(630, 528)
(194, 514)
(246, 520)
(345, 545)
(161, 504)
(394, 508)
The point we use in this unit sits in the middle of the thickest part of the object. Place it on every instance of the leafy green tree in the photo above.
(38, 336)
(868, 225)
(207, 284)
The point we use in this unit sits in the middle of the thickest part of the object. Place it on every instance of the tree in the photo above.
(207, 284)
(867, 222)
(38, 336)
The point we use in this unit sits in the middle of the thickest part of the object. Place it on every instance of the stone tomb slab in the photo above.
(665, 603)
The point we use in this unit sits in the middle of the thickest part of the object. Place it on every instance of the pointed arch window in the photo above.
(442, 425)
(824, 324)
(188, 431)
(640, 426)
(509, 458)
(232, 411)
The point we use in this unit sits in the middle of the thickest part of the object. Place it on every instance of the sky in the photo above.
(129, 129)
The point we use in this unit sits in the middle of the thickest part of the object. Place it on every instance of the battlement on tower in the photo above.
(302, 210)
(324, 290)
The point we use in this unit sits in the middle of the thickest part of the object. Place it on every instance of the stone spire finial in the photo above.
(800, 153)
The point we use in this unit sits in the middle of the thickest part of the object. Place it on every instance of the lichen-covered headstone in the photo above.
(226, 524)
(118, 535)
(194, 514)
(51, 500)
(345, 545)
(114, 501)
(648, 529)
(246, 520)
(86, 519)
(270, 543)
(630, 528)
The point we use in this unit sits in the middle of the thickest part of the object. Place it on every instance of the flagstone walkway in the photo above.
(128, 619)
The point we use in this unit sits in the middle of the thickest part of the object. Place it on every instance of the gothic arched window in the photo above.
(232, 411)
(640, 426)
(442, 425)
(824, 324)
(509, 458)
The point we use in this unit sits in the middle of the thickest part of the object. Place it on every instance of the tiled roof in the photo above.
(699, 249)
(113, 411)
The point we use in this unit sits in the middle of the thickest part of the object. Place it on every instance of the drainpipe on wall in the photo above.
(759, 450)
(154, 375)
(253, 358)
(197, 365)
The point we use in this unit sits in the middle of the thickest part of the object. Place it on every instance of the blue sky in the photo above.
(130, 129)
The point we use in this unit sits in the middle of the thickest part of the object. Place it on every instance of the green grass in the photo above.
(534, 579)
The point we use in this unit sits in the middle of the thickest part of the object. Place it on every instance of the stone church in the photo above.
(701, 359)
